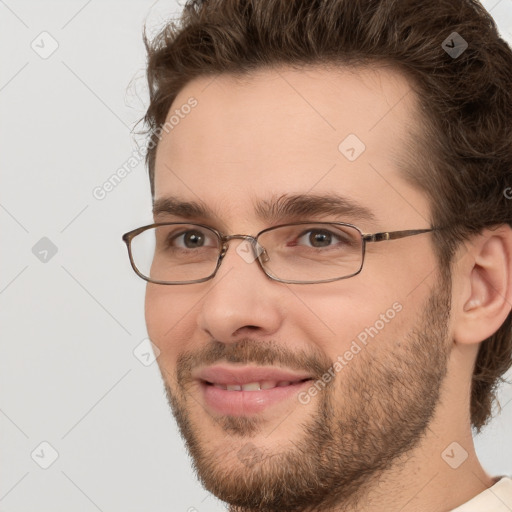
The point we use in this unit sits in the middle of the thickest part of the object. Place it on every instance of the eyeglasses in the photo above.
(299, 253)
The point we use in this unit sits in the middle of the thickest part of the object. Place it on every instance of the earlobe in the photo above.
(485, 275)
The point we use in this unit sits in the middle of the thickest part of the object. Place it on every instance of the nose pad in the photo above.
(262, 253)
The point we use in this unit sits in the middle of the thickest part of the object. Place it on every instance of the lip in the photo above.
(223, 374)
(241, 403)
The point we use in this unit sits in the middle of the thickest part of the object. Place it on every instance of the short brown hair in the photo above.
(461, 158)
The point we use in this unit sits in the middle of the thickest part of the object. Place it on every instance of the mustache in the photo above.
(252, 352)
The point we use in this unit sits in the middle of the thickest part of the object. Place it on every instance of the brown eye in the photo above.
(193, 239)
(318, 238)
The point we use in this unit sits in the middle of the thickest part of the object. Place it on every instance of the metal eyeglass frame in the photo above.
(262, 255)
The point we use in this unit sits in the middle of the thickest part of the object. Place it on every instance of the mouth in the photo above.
(255, 386)
(239, 391)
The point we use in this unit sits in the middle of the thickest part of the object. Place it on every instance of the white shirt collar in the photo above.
(497, 498)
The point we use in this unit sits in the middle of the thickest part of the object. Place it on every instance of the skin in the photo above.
(275, 133)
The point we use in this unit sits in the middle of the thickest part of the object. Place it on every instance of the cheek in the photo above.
(334, 317)
(169, 316)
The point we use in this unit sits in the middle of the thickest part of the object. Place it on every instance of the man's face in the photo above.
(249, 144)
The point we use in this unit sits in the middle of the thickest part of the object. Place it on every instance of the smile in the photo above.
(255, 386)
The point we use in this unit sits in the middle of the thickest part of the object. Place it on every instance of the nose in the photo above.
(242, 301)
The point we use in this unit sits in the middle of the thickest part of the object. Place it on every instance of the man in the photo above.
(330, 269)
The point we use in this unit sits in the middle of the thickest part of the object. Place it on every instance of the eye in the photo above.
(192, 239)
(319, 238)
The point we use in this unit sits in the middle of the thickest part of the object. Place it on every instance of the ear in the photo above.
(483, 286)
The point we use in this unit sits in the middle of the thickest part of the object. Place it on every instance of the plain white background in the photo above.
(71, 309)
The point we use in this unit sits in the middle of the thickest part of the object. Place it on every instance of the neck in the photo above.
(442, 473)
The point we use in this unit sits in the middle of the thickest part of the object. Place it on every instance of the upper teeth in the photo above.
(253, 386)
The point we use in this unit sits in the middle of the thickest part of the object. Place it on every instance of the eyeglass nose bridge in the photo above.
(258, 249)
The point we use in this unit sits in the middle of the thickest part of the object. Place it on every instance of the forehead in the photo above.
(290, 131)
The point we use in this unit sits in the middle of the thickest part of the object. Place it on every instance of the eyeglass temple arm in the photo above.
(393, 235)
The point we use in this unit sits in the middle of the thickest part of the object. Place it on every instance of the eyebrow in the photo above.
(311, 205)
(277, 209)
(178, 208)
